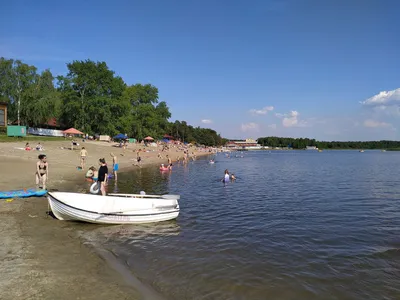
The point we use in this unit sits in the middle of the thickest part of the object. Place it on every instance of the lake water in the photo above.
(295, 225)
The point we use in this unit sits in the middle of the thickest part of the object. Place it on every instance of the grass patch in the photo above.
(5, 138)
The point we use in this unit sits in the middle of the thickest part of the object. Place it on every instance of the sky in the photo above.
(328, 70)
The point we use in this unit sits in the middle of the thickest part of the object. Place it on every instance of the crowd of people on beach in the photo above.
(101, 173)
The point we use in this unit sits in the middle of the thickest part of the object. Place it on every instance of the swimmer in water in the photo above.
(233, 178)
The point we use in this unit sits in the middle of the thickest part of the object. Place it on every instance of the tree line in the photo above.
(301, 143)
(93, 99)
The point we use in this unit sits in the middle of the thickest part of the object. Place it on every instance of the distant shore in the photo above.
(42, 258)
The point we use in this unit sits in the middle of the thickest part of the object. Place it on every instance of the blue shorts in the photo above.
(115, 168)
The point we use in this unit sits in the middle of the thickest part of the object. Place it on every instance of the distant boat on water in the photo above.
(361, 151)
(311, 148)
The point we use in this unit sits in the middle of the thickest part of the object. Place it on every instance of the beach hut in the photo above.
(3, 114)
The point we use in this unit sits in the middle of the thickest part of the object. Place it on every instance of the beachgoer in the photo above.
(138, 158)
(42, 171)
(233, 178)
(115, 165)
(91, 174)
(103, 175)
(39, 147)
(169, 160)
(27, 147)
(226, 176)
(83, 155)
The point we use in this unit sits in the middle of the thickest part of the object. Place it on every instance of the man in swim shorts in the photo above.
(83, 154)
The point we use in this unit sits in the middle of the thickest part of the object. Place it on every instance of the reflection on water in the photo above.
(132, 233)
(294, 225)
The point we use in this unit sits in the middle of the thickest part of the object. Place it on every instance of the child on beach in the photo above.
(42, 171)
(92, 174)
(115, 165)
(39, 147)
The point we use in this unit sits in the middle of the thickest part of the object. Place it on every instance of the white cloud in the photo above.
(206, 121)
(262, 111)
(383, 98)
(272, 126)
(376, 124)
(292, 120)
(250, 127)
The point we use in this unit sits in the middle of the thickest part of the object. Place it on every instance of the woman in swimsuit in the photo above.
(42, 171)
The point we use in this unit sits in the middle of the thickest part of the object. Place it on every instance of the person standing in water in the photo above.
(103, 176)
(42, 171)
(226, 176)
(83, 155)
(115, 165)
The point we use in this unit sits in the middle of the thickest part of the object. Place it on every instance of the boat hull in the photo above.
(65, 212)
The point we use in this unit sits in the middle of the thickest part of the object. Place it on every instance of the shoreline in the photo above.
(43, 257)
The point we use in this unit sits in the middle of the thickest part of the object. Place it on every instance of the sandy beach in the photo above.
(41, 257)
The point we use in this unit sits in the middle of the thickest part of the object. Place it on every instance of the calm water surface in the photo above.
(295, 225)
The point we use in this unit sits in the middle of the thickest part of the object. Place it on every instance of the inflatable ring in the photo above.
(95, 188)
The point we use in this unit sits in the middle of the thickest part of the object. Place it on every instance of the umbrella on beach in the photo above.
(72, 131)
(149, 138)
(120, 137)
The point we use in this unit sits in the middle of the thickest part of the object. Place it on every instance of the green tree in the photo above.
(91, 90)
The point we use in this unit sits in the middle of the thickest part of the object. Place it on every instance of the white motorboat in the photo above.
(114, 208)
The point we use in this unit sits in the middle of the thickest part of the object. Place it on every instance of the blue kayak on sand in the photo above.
(22, 193)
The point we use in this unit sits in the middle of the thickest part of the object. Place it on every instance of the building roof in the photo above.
(4, 103)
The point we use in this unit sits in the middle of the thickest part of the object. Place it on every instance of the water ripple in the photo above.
(295, 225)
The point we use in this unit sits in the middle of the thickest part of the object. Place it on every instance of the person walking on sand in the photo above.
(42, 171)
(103, 175)
(83, 155)
(115, 165)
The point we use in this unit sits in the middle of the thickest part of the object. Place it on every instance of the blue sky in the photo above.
(302, 68)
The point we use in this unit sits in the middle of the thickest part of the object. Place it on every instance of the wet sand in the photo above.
(42, 258)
